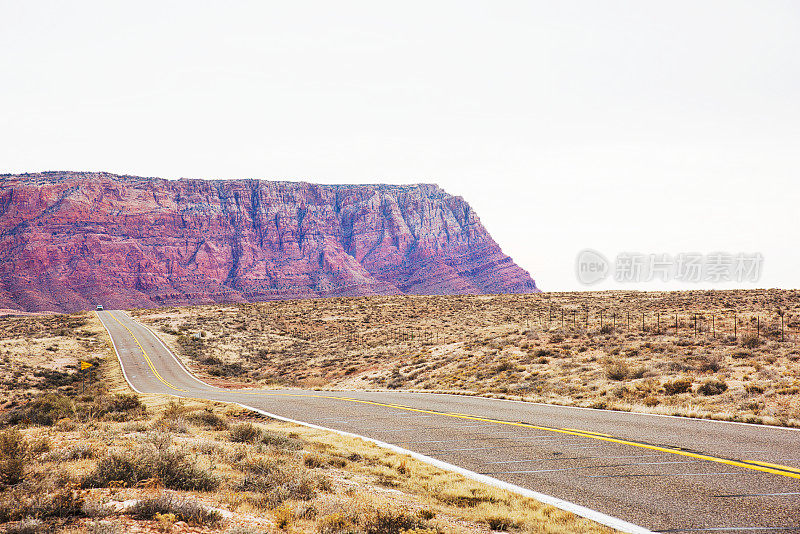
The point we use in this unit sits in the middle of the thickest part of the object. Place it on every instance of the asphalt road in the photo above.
(666, 474)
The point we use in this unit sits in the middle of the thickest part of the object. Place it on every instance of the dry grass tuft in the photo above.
(170, 508)
(513, 346)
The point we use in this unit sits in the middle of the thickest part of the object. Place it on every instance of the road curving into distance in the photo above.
(635, 472)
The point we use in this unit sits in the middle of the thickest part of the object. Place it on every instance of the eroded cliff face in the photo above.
(69, 240)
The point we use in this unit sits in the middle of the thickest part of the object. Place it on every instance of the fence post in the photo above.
(735, 325)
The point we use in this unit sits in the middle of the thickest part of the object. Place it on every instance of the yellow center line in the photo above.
(587, 432)
(775, 469)
(778, 466)
(146, 357)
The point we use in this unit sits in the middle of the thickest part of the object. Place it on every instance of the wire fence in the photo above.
(723, 325)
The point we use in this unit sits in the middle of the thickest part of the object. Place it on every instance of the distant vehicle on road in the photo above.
(99, 307)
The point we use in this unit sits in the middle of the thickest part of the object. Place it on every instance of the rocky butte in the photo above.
(69, 240)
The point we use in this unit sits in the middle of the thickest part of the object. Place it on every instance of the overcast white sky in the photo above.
(654, 127)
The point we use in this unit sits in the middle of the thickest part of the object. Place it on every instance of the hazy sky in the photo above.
(638, 126)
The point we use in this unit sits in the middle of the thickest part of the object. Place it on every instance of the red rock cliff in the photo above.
(70, 240)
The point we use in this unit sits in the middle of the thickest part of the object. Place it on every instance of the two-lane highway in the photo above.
(666, 474)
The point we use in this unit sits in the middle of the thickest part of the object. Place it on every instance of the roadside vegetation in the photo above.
(675, 353)
(104, 460)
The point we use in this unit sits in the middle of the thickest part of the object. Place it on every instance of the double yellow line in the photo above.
(775, 469)
(146, 357)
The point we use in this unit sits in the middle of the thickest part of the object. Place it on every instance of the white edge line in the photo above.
(119, 358)
(180, 363)
(535, 403)
(606, 410)
(582, 511)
